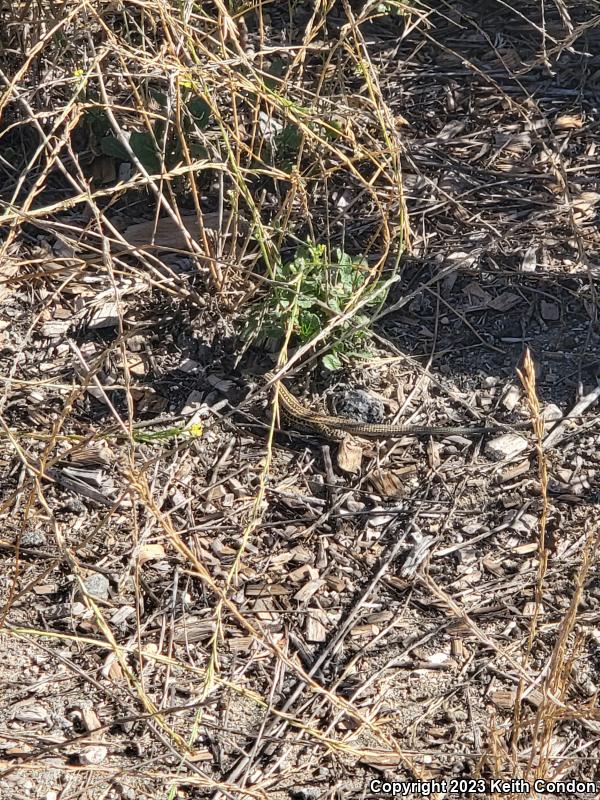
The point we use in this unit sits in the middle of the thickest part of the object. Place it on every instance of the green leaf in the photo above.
(312, 286)
(159, 129)
(343, 259)
(98, 122)
(332, 362)
(309, 324)
(160, 97)
(290, 139)
(276, 70)
(199, 111)
(333, 130)
(173, 156)
(367, 355)
(143, 146)
(111, 146)
(278, 67)
(198, 151)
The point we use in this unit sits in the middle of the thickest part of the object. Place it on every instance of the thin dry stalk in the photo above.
(527, 376)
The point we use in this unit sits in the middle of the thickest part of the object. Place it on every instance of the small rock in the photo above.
(96, 393)
(511, 331)
(137, 366)
(236, 487)
(88, 350)
(358, 404)
(192, 403)
(511, 398)
(97, 585)
(467, 556)
(73, 505)
(93, 755)
(505, 446)
(33, 539)
(378, 520)
(550, 311)
(177, 498)
(126, 792)
(305, 793)
(32, 714)
(551, 413)
(524, 523)
(354, 506)
(124, 172)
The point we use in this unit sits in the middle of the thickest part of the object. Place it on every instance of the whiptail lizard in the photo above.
(337, 428)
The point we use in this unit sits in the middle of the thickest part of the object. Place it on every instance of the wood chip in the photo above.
(380, 759)
(506, 446)
(349, 455)
(150, 552)
(316, 625)
(514, 471)
(386, 483)
(55, 328)
(106, 316)
(308, 590)
(167, 234)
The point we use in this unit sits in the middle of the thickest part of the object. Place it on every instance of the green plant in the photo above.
(314, 288)
(149, 145)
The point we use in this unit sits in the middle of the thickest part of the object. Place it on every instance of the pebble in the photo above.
(93, 755)
(551, 413)
(549, 311)
(97, 585)
(511, 398)
(33, 539)
(354, 506)
(357, 404)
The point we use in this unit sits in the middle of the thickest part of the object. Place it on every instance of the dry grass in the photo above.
(249, 638)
